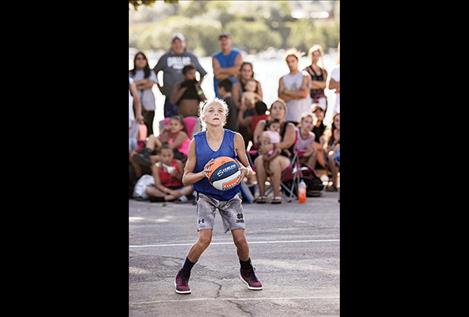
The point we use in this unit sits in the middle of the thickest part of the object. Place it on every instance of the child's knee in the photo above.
(205, 240)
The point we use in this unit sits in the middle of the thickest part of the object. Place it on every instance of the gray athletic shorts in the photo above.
(231, 212)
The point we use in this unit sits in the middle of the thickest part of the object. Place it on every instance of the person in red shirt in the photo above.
(168, 178)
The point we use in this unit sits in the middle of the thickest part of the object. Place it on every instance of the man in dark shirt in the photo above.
(171, 64)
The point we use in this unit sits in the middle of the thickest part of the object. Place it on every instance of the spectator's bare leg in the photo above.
(277, 165)
(320, 155)
(334, 169)
(260, 174)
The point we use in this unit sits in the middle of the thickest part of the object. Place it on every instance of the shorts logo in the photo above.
(201, 220)
(240, 218)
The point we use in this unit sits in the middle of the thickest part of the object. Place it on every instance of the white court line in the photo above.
(234, 299)
(230, 242)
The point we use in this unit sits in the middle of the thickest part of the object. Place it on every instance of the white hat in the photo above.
(178, 36)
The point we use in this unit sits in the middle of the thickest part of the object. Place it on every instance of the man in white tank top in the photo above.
(293, 88)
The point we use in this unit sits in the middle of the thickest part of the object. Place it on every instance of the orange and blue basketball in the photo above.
(224, 173)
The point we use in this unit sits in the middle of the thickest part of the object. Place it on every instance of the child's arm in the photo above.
(189, 177)
(156, 176)
(179, 170)
(177, 93)
(181, 137)
(240, 149)
(258, 131)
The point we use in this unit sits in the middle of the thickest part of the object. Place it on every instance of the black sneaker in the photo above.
(182, 284)
(249, 278)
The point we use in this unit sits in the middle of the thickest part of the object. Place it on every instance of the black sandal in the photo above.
(261, 200)
(276, 200)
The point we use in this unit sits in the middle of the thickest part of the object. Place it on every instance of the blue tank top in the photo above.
(204, 153)
(226, 61)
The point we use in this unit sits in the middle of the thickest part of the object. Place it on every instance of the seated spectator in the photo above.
(278, 111)
(188, 94)
(270, 136)
(246, 74)
(318, 130)
(331, 148)
(305, 144)
(175, 136)
(168, 178)
(251, 121)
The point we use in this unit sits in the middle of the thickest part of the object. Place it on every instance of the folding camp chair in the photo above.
(192, 125)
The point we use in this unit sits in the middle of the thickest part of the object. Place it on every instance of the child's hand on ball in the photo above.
(207, 167)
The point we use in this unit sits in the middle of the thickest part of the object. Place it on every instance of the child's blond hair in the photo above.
(208, 103)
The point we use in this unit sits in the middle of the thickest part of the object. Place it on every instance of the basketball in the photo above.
(224, 173)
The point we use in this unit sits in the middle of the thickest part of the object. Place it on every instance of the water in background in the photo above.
(267, 70)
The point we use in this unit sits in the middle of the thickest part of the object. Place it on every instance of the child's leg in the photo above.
(320, 154)
(153, 191)
(175, 194)
(267, 167)
(205, 237)
(206, 208)
(152, 142)
(239, 238)
(182, 277)
(333, 168)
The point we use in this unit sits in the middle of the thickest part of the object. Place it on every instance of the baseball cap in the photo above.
(178, 36)
(224, 34)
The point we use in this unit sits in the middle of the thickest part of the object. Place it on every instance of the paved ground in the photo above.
(295, 249)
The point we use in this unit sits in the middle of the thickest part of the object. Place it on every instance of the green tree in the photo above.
(306, 33)
(253, 36)
(138, 3)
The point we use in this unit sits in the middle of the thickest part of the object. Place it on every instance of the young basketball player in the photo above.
(207, 145)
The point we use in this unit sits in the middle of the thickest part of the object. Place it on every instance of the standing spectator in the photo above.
(188, 94)
(172, 63)
(293, 88)
(226, 63)
(334, 83)
(318, 76)
(135, 114)
(251, 121)
(224, 89)
(144, 78)
(246, 73)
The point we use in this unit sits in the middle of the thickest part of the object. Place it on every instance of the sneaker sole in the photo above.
(250, 287)
(181, 292)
